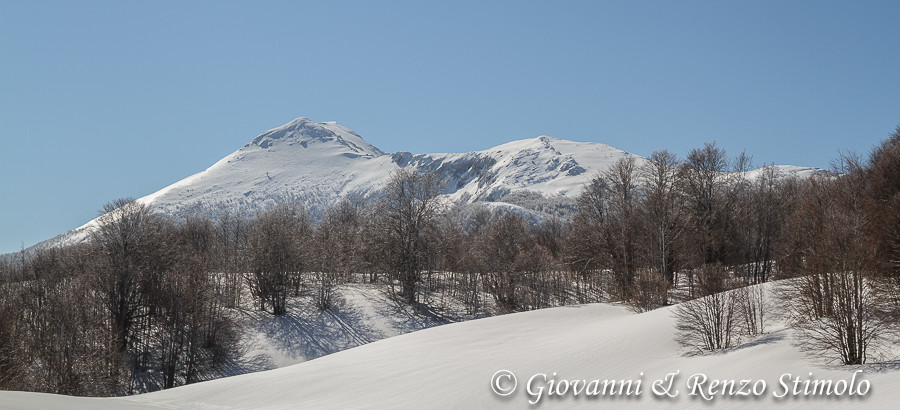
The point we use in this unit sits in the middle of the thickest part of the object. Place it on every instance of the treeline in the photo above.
(147, 303)
(844, 251)
(836, 241)
(138, 307)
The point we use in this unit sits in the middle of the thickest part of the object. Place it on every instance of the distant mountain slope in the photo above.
(545, 165)
(318, 163)
(301, 160)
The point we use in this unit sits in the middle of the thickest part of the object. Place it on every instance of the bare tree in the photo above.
(708, 323)
(623, 197)
(128, 234)
(194, 329)
(66, 345)
(662, 212)
(712, 321)
(231, 252)
(502, 245)
(12, 362)
(760, 213)
(703, 185)
(339, 242)
(585, 243)
(407, 213)
(518, 270)
(882, 205)
(276, 255)
(702, 177)
(834, 306)
(648, 292)
(753, 308)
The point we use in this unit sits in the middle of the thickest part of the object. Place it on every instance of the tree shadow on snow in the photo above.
(244, 363)
(767, 338)
(411, 317)
(306, 333)
(358, 315)
(882, 367)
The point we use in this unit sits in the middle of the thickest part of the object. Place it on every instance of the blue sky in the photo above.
(101, 100)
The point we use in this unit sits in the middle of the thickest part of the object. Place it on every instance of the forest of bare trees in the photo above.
(138, 307)
(148, 303)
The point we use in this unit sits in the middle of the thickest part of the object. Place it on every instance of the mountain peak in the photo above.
(308, 134)
(539, 143)
(320, 162)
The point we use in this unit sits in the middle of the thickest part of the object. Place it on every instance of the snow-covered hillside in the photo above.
(317, 163)
(362, 313)
(303, 160)
(452, 366)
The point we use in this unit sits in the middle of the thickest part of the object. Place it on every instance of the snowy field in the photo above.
(452, 366)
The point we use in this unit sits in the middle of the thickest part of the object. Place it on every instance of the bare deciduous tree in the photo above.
(710, 322)
(276, 255)
(834, 306)
(408, 210)
(339, 243)
(585, 242)
(753, 306)
(661, 212)
(648, 291)
(702, 178)
(622, 218)
(11, 361)
(882, 204)
(128, 234)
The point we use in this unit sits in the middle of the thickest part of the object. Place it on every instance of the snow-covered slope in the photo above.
(451, 366)
(317, 163)
(546, 165)
(301, 160)
(362, 313)
(789, 171)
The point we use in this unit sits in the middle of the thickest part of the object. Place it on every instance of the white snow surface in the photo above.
(362, 313)
(451, 366)
(789, 171)
(318, 163)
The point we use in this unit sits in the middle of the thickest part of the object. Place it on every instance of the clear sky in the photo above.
(101, 100)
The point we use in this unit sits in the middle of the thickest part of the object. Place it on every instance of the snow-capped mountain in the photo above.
(318, 163)
(302, 160)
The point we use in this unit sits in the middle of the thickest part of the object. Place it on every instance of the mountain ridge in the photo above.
(317, 163)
